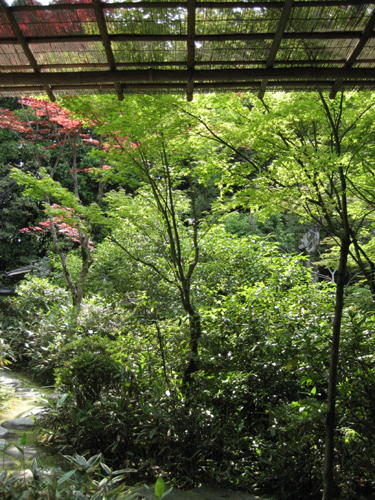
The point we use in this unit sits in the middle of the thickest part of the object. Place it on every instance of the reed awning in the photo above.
(92, 46)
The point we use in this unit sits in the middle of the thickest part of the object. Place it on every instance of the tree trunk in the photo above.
(193, 365)
(328, 476)
(367, 267)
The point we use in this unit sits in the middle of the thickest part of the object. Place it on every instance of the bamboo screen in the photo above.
(90, 46)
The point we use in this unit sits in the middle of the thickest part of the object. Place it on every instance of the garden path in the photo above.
(19, 416)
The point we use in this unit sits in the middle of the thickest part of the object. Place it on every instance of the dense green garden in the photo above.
(206, 303)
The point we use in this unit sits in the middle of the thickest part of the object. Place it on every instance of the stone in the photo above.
(5, 432)
(6, 462)
(26, 395)
(53, 397)
(28, 452)
(37, 410)
(25, 392)
(27, 475)
(8, 381)
(18, 423)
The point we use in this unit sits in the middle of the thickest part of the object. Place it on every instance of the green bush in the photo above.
(88, 370)
(39, 321)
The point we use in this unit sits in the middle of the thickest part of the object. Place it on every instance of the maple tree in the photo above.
(311, 156)
(49, 128)
(56, 138)
(148, 139)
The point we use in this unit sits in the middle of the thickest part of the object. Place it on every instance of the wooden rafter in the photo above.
(190, 47)
(100, 19)
(368, 32)
(22, 41)
(284, 17)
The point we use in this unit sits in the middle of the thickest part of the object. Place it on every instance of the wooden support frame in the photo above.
(325, 75)
(191, 5)
(106, 43)
(181, 87)
(366, 35)
(192, 47)
(297, 35)
(184, 4)
(284, 17)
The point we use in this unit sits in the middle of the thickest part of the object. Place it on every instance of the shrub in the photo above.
(89, 479)
(88, 370)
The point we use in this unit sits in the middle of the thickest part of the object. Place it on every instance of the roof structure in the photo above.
(19, 273)
(91, 46)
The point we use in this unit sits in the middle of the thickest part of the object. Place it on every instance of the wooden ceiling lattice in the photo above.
(91, 46)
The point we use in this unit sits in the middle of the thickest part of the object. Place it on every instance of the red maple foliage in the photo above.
(71, 231)
(48, 123)
(48, 120)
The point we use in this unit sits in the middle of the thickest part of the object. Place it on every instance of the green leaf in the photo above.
(167, 492)
(159, 487)
(107, 470)
(92, 460)
(123, 471)
(66, 476)
(23, 439)
(103, 482)
(34, 466)
(62, 400)
(81, 496)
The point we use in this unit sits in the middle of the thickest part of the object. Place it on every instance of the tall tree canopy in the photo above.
(313, 156)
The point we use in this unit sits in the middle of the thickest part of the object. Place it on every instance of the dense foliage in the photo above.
(200, 346)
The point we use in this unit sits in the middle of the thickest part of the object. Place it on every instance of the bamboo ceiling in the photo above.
(90, 46)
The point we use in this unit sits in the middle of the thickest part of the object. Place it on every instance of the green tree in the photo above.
(310, 156)
(16, 210)
(149, 140)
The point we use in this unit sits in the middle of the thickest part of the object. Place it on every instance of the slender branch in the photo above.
(220, 139)
(142, 261)
(193, 264)
(357, 119)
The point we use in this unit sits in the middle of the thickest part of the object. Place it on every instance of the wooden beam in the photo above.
(367, 33)
(205, 86)
(232, 64)
(100, 19)
(183, 4)
(88, 78)
(190, 47)
(302, 35)
(22, 41)
(283, 21)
